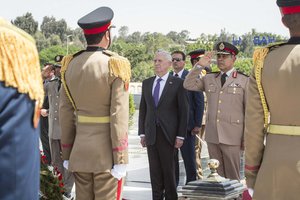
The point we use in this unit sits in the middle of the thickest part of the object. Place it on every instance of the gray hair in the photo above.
(165, 54)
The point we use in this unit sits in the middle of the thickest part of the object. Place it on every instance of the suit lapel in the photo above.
(167, 85)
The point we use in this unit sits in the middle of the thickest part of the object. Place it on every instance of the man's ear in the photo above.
(107, 36)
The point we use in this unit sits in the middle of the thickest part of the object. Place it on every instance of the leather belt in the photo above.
(283, 130)
(96, 120)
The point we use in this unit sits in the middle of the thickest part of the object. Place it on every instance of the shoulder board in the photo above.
(109, 53)
(55, 79)
(239, 72)
(78, 53)
(213, 72)
(273, 46)
(119, 66)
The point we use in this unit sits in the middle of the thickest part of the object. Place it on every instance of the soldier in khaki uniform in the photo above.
(94, 111)
(226, 93)
(272, 130)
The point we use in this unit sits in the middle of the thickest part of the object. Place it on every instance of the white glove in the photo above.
(250, 191)
(119, 171)
(66, 164)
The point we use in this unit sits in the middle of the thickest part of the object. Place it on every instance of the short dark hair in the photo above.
(94, 38)
(292, 21)
(179, 52)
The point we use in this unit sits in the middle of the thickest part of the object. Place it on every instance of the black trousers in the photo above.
(45, 138)
(162, 168)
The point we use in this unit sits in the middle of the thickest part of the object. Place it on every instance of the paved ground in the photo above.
(137, 184)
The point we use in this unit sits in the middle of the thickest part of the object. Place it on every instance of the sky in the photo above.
(196, 16)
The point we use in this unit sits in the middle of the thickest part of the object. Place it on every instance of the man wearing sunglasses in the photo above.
(226, 93)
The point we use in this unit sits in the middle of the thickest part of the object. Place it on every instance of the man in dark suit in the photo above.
(196, 108)
(163, 125)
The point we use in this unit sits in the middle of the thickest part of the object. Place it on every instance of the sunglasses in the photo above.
(176, 59)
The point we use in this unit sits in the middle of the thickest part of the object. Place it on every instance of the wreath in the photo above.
(51, 183)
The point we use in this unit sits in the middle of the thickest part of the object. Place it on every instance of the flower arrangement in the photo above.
(51, 183)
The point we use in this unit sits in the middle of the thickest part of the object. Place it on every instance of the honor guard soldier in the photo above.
(272, 131)
(21, 97)
(226, 93)
(94, 112)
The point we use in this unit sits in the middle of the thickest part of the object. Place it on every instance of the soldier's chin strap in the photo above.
(109, 42)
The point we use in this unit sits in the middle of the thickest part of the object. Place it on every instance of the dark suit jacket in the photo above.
(196, 105)
(171, 112)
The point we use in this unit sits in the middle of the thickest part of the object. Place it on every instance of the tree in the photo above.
(50, 26)
(27, 23)
(123, 32)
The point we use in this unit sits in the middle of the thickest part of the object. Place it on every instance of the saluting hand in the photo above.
(178, 143)
(206, 59)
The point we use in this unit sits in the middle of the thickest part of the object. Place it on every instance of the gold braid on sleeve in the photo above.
(65, 62)
(19, 62)
(258, 59)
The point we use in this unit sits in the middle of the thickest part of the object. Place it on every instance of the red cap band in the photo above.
(229, 50)
(290, 10)
(96, 30)
(196, 55)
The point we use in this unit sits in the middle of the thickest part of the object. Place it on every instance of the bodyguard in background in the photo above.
(272, 131)
(163, 118)
(21, 97)
(196, 107)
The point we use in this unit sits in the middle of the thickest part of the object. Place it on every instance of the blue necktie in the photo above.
(156, 91)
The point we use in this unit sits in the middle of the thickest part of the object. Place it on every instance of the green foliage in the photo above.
(142, 71)
(48, 54)
(50, 26)
(131, 109)
(244, 65)
(27, 23)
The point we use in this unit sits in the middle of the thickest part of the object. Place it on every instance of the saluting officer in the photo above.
(272, 131)
(94, 111)
(21, 97)
(226, 93)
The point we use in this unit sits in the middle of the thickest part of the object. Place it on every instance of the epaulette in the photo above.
(109, 53)
(242, 73)
(213, 72)
(55, 79)
(119, 66)
(274, 46)
(21, 72)
(78, 53)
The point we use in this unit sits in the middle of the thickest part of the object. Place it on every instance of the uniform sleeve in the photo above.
(119, 116)
(192, 81)
(254, 132)
(67, 123)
